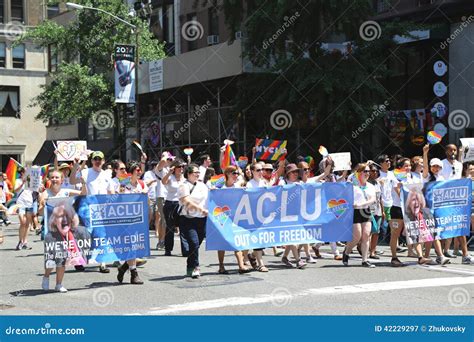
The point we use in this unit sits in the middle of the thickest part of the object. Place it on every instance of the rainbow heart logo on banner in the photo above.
(242, 162)
(221, 214)
(433, 137)
(337, 207)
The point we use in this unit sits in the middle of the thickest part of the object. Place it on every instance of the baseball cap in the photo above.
(64, 166)
(436, 161)
(96, 154)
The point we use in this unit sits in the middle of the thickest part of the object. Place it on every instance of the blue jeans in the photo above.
(194, 230)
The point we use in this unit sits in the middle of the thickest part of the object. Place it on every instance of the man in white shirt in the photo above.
(452, 169)
(151, 180)
(205, 163)
(161, 170)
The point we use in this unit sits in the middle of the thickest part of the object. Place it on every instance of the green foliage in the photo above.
(88, 40)
(328, 93)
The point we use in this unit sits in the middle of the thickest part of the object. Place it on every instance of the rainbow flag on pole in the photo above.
(44, 171)
(12, 171)
(228, 158)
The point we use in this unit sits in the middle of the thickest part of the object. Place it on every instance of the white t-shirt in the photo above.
(25, 200)
(153, 188)
(136, 189)
(3, 195)
(67, 184)
(417, 177)
(359, 196)
(385, 177)
(253, 183)
(160, 187)
(97, 182)
(172, 188)
(61, 194)
(114, 185)
(198, 196)
(202, 173)
(396, 198)
(447, 170)
(439, 177)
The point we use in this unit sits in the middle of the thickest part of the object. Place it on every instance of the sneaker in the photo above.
(287, 262)
(195, 274)
(379, 252)
(395, 262)
(160, 245)
(311, 260)
(448, 254)
(167, 253)
(301, 264)
(375, 256)
(104, 269)
(121, 271)
(345, 259)
(60, 288)
(422, 260)
(467, 260)
(316, 252)
(19, 246)
(401, 249)
(26, 247)
(45, 283)
(80, 268)
(7, 223)
(441, 260)
(368, 264)
(135, 279)
(458, 253)
(340, 244)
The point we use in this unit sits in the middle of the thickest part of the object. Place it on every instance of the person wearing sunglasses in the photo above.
(452, 169)
(364, 198)
(172, 181)
(193, 199)
(376, 210)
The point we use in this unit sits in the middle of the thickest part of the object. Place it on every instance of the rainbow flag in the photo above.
(12, 171)
(218, 181)
(267, 149)
(125, 179)
(323, 151)
(228, 158)
(44, 171)
(400, 175)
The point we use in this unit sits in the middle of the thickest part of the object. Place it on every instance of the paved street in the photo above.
(326, 288)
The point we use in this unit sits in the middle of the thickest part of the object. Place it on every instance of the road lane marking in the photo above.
(282, 296)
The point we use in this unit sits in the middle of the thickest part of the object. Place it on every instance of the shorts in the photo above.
(153, 206)
(160, 201)
(362, 215)
(396, 213)
(376, 227)
(386, 210)
(23, 211)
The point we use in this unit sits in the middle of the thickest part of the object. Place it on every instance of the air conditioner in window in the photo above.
(212, 40)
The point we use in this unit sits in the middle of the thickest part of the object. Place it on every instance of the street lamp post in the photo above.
(135, 28)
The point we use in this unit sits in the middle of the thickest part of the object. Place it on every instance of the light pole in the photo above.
(135, 28)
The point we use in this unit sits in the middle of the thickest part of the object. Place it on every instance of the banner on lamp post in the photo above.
(124, 70)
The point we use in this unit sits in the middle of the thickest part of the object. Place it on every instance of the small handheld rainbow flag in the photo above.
(433, 137)
(242, 162)
(400, 175)
(125, 179)
(188, 151)
(218, 181)
(44, 171)
(12, 171)
(228, 158)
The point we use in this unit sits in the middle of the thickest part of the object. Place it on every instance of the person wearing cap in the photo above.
(96, 180)
(291, 177)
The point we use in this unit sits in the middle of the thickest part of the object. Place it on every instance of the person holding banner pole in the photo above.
(193, 196)
(364, 198)
(136, 186)
(172, 181)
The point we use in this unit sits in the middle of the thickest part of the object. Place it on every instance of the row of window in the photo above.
(16, 10)
(18, 56)
(10, 101)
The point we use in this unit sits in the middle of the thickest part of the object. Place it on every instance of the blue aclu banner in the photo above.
(292, 214)
(450, 202)
(93, 229)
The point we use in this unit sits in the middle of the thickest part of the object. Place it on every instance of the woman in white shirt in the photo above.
(136, 186)
(172, 181)
(364, 198)
(193, 196)
(27, 208)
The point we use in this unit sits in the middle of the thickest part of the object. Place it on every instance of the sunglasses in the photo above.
(122, 169)
(195, 172)
(268, 170)
(179, 167)
(138, 170)
(258, 170)
(295, 171)
(97, 159)
(235, 173)
(305, 170)
(366, 171)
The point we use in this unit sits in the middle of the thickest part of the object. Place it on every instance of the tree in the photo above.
(328, 91)
(83, 83)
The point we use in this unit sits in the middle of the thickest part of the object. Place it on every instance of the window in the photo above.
(10, 101)
(192, 45)
(213, 22)
(169, 24)
(52, 58)
(3, 59)
(53, 10)
(17, 10)
(2, 11)
(19, 56)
